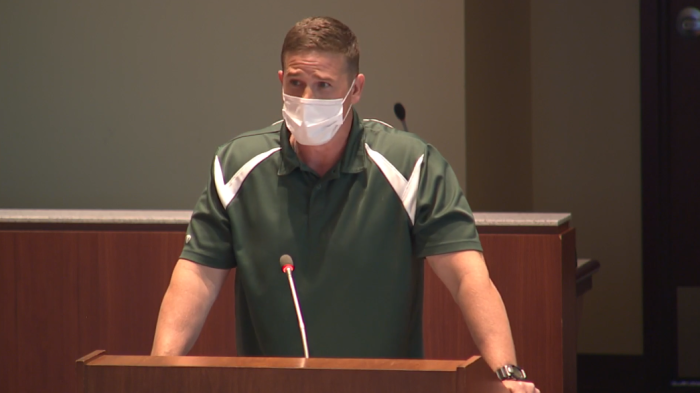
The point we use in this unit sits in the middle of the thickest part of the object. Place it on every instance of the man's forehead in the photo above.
(314, 60)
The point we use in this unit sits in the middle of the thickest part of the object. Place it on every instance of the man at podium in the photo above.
(356, 204)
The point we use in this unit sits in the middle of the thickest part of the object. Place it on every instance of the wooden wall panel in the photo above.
(134, 272)
(47, 308)
(89, 306)
(8, 310)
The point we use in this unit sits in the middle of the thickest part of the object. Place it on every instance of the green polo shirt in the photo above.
(358, 236)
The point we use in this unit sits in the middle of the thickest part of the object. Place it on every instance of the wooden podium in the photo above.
(102, 373)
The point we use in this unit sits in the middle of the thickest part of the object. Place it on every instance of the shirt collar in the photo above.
(354, 158)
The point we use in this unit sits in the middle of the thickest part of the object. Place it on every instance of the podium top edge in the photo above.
(182, 217)
(283, 363)
(91, 356)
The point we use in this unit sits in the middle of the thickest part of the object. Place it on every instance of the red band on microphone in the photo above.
(285, 267)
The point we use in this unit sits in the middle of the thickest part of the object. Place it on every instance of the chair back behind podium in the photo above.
(98, 372)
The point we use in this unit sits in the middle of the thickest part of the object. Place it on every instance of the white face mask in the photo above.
(314, 121)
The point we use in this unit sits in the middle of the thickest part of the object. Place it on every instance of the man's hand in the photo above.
(192, 291)
(520, 386)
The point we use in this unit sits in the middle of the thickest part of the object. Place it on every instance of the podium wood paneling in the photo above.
(71, 289)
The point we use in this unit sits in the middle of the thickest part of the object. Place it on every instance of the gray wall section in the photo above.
(587, 153)
(121, 105)
(553, 125)
(499, 138)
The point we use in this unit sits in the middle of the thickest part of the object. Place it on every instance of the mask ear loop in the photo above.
(346, 97)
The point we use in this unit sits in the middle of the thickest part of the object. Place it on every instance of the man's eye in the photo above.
(295, 82)
(324, 85)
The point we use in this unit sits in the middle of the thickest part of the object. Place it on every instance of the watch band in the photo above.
(511, 372)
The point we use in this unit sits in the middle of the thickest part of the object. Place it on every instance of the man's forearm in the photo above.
(185, 307)
(177, 329)
(485, 314)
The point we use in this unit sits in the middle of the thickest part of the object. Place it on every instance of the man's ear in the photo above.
(280, 75)
(357, 89)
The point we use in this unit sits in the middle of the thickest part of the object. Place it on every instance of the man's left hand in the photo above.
(520, 386)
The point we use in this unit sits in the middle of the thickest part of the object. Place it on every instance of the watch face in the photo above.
(511, 372)
(517, 372)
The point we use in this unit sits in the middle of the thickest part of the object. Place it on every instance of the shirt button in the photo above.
(318, 187)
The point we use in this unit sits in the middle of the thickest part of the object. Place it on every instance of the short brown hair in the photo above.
(323, 34)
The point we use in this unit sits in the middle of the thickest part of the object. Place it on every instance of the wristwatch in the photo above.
(511, 372)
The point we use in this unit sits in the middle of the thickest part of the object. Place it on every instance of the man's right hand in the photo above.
(192, 291)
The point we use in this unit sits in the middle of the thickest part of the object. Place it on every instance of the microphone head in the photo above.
(286, 262)
(400, 111)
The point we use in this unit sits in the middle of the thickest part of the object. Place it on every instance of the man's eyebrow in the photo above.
(323, 77)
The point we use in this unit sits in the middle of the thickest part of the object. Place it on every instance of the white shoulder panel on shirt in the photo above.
(406, 190)
(227, 191)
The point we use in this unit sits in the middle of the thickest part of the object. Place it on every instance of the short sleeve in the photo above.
(209, 241)
(443, 223)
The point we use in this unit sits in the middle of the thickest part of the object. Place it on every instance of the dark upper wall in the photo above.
(122, 104)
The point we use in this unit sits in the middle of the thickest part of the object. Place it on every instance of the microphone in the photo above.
(287, 267)
(400, 113)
